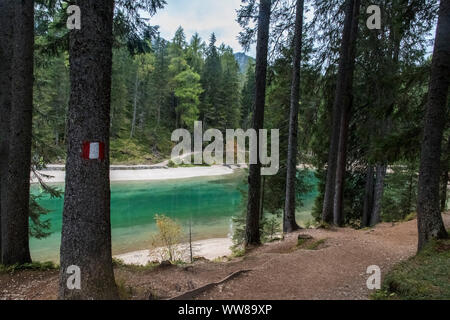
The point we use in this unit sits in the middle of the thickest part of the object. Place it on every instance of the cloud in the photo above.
(202, 16)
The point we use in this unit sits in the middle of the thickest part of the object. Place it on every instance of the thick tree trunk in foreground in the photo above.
(338, 217)
(15, 217)
(375, 217)
(252, 234)
(339, 102)
(368, 198)
(6, 39)
(289, 223)
(430, 222)
(86, 231)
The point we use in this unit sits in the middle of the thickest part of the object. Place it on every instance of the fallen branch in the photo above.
(191, 294)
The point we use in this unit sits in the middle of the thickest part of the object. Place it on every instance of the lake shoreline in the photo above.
(209, 249)
(137, 173)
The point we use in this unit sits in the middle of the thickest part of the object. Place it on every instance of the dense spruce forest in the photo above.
(156, 88)
(365, 109)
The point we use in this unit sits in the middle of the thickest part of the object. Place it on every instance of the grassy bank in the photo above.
(425, 276)
(34, 266)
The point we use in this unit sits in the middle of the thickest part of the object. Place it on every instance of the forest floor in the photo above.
(331, 265)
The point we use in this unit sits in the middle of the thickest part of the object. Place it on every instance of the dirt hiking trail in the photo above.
(333, 267)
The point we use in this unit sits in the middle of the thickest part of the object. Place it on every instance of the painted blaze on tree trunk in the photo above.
(15, 216)
(430, 223)
(86, 231)
(289, 223)
(252, 234)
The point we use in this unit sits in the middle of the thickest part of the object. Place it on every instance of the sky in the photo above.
(204, 17)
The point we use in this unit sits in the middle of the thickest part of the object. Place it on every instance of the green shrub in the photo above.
(168, 238)
(237, 252)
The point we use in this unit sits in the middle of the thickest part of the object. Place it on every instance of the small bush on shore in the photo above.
(168, 238)
(237, 251)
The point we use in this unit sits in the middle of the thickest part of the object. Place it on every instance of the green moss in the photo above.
(324, 225)
(34, 266)
(422, 277)
(309, 244)
(316, 244)
(410, 217)
(117, 263)
(301, 242)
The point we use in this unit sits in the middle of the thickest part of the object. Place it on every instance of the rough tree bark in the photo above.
(86, 230)
(252, 232)
(15, 217)
(338, 217)
(375, 217)
(341, 87)
(445, 178)
(289, 223)
(430, 224)
(368, 198)
(136, 88)
(6, 38)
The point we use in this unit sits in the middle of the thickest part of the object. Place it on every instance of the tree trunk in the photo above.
(6, 39)
(15, 246)
(262, 196)
(429, 221)
(252, 233)
(86, 230)
(341, 88)
(346, 109)
(289, 223)
(408, 209)
(158, 117)
(136, 87)
(445, 178)
(375, 217)
(368, 198)
(338, 218)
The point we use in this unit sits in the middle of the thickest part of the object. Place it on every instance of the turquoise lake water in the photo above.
(209, 202)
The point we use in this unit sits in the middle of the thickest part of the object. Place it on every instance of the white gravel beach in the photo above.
(209, 249)
(57, 175)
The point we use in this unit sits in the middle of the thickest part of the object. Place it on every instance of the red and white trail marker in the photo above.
(93, 150)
